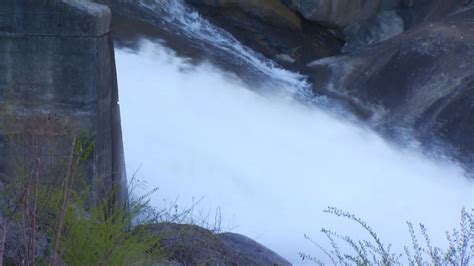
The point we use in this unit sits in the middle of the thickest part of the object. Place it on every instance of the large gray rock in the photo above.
(57, 78)
(415, 12)
(367, 23)
(422, 79)
(379, 28)
(193, 245)
(244, 247)
(338, 13)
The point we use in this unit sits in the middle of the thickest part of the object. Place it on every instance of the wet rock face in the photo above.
(381, 27)
(337, 13)
(272, 29)
(272, 11)
(57, 78)
(421, 79)
(415, 12)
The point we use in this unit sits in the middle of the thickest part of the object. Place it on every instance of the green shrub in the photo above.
(100, 237)
(55, 223)
(374, 252)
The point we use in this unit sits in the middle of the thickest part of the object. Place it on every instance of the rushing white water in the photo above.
(193, 27)
(271, 164)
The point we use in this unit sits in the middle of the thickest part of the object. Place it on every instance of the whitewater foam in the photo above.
(194, 27)
(270, 163)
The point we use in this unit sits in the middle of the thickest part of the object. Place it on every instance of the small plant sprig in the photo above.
(374, 252)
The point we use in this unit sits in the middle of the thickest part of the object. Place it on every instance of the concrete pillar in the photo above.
(58, 78)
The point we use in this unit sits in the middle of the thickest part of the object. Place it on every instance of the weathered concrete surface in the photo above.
(193, 245)
(77, 18)
(57, 78)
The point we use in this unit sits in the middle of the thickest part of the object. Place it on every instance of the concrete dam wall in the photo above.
(58, 79)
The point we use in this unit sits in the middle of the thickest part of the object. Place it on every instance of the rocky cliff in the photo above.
(421, 79)
(57, 80)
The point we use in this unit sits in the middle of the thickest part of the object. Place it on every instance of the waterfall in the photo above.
(270, 163)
